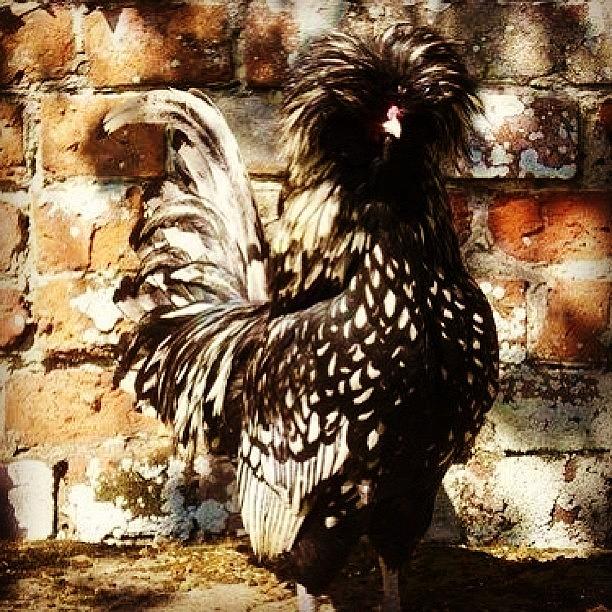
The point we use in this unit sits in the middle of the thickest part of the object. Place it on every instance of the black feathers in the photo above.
(356, 362)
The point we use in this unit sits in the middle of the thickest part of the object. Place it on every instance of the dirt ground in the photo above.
(223, 576)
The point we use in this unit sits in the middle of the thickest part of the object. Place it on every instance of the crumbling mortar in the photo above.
(551, 453)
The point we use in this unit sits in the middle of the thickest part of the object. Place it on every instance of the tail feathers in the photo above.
(192, 354)
(201, 285)
(205, 214)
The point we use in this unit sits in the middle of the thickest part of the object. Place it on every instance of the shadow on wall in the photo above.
(9, 527)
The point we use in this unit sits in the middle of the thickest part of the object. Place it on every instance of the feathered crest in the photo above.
(342, 89)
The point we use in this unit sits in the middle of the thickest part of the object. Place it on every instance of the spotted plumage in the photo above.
(352, 359)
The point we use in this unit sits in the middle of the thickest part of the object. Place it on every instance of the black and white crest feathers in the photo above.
(343, 88)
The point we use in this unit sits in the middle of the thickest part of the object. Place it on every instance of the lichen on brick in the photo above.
(525, 135)
(140, 499)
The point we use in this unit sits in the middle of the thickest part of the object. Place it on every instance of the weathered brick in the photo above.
(73, 143)
(74, 234)
(74, 315)
(520, 40)
(605, 117)
(462, 216)
(508, 301)
(591, 61)
(575, 324)
(553, 226)
(13, 317)
(152, 44)
(511, 500)
(36, 46)
(543, 409)
(62, 240)
(254, 122)
(12, 235)
(270, 36)
(110, 246)
(70, 405)
(370, 18)
(12, 161)
(596, 114)
(525, 136)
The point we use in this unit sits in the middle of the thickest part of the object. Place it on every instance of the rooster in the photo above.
(352, 359)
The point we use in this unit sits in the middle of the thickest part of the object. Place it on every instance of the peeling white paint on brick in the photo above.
(497, 107)
(513, 501)
(99, 306)
(93, 520)
(97, 520)
(26, 500)
(90, 201)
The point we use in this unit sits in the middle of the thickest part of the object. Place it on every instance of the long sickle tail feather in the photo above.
(202, 269)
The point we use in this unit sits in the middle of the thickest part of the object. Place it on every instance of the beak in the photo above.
(393, 126)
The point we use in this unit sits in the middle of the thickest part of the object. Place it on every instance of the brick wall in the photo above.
(533, 211)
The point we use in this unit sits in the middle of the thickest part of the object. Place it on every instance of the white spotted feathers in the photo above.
(353, 348)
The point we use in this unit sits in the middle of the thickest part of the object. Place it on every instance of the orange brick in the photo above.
(69, 240)
(62, 240)
(13, 317)
(37, 46)
(269, 38)
(73, 315)
(12, 161)
(555, 226)
(12, 234)
(73, 143)
(576, 321)
(70, 405)
(178, 44)
(110, 247)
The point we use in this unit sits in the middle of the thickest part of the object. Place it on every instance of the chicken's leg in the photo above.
(306, 601)
(390, 580)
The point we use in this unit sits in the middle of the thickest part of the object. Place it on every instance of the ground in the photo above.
(224, 576)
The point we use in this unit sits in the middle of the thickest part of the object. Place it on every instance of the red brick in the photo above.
(576, 321)
(555, 226)
(66, 239)
(73, 143)
(70, 405)
(269, 38)
(462, 216)
(37, 46)
(73, 315)
(110, 246)
(179, 44)
(12, 234)
(62, 240)
(12, 161)
(13, 317)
